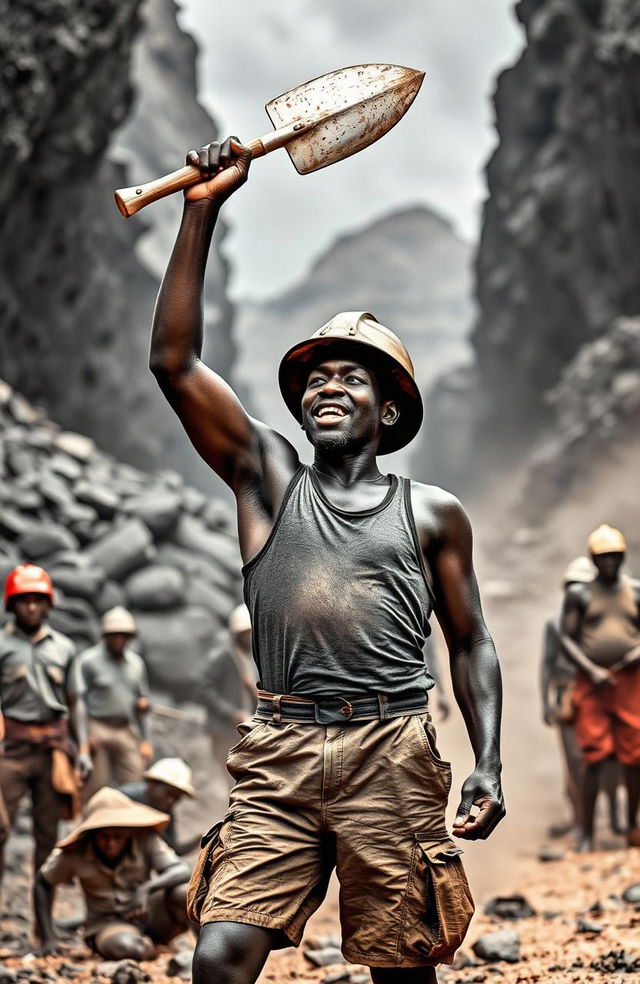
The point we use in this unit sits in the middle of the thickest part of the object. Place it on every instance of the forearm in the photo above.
(43, 894)
(477, 685)
(176, 340)
(80, 724)
(142, 720)
(575, 654)
(177, 874)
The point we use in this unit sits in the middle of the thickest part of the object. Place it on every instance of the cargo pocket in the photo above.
(446, 898)
(199, 881)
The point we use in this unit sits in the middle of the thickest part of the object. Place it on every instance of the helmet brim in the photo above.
(398, 384)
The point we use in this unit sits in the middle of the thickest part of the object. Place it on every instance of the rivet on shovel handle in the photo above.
(319, 122)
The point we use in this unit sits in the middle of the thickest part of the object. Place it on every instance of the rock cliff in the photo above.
(408, 268)
(561, 225)
(77, 282)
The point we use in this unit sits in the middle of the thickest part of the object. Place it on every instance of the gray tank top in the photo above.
(340, 601)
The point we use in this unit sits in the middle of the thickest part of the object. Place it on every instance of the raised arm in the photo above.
(216, 422)
(475, 672)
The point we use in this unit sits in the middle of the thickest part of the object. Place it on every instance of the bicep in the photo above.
(458, 608)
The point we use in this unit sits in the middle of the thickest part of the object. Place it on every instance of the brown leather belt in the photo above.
(339, 710)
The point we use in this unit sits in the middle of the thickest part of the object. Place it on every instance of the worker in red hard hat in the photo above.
(42, 711)
(343, 567)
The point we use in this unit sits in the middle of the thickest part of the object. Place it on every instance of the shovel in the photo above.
(319, 122)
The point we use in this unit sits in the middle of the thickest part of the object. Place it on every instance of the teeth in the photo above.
(330, 410)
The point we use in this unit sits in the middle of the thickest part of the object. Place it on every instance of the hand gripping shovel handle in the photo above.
(131, 200)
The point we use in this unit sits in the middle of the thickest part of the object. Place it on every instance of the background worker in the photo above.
(601, 634)
(162, 787)
(40, 698)
(229, 690)
(114, 678)
(112, 854)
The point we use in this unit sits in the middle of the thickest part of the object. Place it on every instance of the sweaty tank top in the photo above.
(610, 622)
(339, 601)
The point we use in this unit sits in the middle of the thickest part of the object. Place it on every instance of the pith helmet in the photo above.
(579, 571)
(27, 579)
(111, 808)
(606, 539)
(118, 619)
(361, 329)
(172, 772)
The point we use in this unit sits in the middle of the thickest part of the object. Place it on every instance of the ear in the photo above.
(389, 413)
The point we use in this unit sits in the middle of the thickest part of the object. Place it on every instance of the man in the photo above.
(342, 568)
(114, 679)
(112, 854)
(162, 787)
(601, 634)
(229, 687)
(40, 696)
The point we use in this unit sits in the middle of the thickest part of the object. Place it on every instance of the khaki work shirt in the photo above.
(37, 675)
(112, 686)
(108, 892)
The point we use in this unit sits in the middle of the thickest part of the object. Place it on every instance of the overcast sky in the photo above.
(253, 50)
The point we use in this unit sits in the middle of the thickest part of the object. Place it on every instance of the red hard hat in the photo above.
(27, 579)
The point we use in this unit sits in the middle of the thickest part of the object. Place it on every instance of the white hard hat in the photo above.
(118, 619)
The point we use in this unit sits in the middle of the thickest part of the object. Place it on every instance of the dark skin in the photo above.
(609, 567)
(110, 845)
(30, 613)
(163, 797)
(257, 463)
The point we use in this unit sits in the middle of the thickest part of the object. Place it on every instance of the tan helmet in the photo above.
(172, 772)
(579, 571)
(118, 619)
(606, 539)
(239, 620)
(359, 328)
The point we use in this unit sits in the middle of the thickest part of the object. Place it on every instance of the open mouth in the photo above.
(329, 413)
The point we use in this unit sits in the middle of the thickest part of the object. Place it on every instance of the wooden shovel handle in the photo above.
(131, 200)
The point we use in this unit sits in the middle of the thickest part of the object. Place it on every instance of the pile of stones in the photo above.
(110, 534)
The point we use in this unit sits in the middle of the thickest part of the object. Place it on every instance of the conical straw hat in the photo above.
(111, 808)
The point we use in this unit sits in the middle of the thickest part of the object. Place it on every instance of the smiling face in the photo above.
(342, 409)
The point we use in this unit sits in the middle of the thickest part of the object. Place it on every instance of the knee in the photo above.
(176, 899)
(219, 955)
(127, 946)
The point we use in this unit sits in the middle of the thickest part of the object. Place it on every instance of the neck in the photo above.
(31, 633)
(348, 469)
(609, 582)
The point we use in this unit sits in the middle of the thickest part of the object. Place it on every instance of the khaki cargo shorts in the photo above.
(366, 798)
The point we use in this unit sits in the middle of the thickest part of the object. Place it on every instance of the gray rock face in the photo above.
(562, 217)
(73, 305)
(181, 600)
(409, 269)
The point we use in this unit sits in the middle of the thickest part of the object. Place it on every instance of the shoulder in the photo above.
(87, 657)
(135, 660)
(63, 644)
(438, 510)
(577, 596)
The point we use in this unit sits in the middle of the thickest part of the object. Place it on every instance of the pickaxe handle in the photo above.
(131, 200)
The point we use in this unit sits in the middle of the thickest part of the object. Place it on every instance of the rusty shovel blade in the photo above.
(319, 123)
(348, 110)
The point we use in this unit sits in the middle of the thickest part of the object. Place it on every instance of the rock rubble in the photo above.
(111, 534)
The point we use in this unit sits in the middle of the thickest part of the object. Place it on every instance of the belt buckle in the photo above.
(332, 710)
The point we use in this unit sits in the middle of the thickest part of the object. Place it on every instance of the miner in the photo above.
(229, 687)
(134, 885)
(601, 633)
(162, 787)
(343, 567)
(42, 708)
(114, 678)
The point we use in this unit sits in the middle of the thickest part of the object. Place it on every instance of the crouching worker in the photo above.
(112, 854)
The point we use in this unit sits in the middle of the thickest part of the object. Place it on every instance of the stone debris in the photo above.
(632, 894)
(503, 944)
(509, 907)
(548, 852)
(179, 965)
(325, 957)
(617, 962)
(588, 926)
(110, 534)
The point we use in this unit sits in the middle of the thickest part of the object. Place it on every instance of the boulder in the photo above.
(40, 540)
(77, 445)
(64, 465)
(122, 550)
(109, 596)
(199, 592)
(100, 497)
(509, 907)
(55, 490)
(192, 534)
(158, 509)
(180, 965)
(193, 500)
(503, 944)
(79, 582)
(155, 588)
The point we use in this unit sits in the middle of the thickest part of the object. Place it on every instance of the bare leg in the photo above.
(632, 779)
(394, 975)
(611, 778)
(590, 787)
(231, 953)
